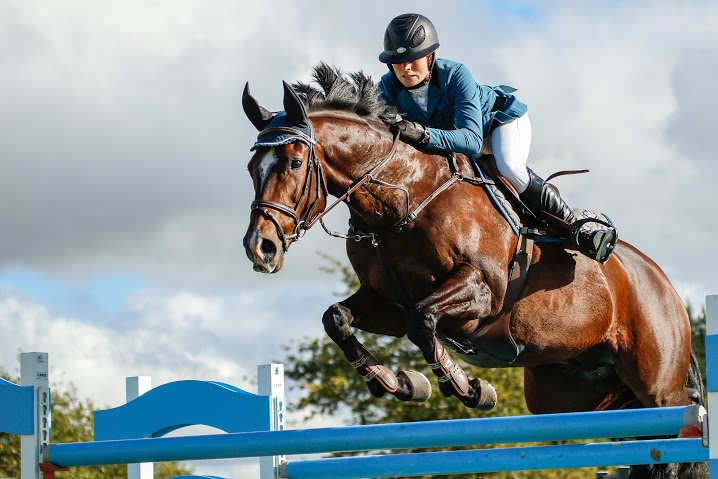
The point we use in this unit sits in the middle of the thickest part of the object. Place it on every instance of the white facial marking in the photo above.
(265, 166)
(254, 239)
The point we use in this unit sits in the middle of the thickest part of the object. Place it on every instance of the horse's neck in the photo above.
(356, 149)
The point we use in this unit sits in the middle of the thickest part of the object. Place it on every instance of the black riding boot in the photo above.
(542, 198)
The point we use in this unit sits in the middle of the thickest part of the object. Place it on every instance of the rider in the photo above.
(445, 109)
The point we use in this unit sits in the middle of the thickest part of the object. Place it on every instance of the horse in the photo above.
(433, 253)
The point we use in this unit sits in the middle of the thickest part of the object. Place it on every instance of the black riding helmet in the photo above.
(409, 37)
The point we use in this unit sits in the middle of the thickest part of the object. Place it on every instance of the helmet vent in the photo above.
(418, 37)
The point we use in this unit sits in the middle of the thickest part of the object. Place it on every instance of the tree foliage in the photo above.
(72, 421)
(329, 386)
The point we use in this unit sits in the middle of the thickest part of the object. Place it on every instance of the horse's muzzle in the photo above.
(265, 252)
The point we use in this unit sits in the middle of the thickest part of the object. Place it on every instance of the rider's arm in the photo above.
(467, 98)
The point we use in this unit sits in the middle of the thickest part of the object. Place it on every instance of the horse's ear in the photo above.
(294, 107)
(258, 115)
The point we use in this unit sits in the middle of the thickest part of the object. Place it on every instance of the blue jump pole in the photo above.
(461, 432)
(501, 459)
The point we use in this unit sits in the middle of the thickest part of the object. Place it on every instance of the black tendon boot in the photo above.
(542, 198)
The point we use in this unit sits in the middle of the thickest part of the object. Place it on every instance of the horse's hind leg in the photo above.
(369, 312)
(462, 298)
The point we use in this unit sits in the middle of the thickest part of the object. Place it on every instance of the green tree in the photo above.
(72, 421)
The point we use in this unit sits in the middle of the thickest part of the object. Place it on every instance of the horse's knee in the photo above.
(337, 320)
(420, 328)
(427, 310)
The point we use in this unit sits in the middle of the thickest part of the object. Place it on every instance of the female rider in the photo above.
(445, 109)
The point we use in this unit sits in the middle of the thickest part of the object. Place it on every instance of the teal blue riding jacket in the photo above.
(459, 110)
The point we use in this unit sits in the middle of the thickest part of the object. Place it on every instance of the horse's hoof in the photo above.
(486, 393)
(418, 383)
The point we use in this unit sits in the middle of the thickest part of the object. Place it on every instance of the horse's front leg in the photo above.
(369, 312)
(461, 298)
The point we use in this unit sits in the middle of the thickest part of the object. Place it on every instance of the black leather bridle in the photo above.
(319, 191)
(317, 209)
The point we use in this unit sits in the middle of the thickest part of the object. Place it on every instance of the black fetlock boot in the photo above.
(544, 200)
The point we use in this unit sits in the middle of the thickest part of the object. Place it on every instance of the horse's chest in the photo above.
(397, 272)
(407, 276)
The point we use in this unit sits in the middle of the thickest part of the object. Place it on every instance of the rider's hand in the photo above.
(411, 132)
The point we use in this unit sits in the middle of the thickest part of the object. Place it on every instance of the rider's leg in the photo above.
(510, 145)
(544, 198)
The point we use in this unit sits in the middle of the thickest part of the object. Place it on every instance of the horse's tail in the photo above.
(697, 394)
(694, 382)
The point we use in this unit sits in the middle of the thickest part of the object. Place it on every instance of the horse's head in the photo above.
(288, 181)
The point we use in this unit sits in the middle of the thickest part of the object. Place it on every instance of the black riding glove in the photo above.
(411, 132)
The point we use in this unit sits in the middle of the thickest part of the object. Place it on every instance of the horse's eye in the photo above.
(296, 164)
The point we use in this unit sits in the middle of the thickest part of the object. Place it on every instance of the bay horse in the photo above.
(432, 254)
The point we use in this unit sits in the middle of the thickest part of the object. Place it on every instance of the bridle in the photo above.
(316, 211)
(319, 191)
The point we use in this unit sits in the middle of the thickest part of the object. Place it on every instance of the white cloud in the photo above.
(170, 336)
(124, 150)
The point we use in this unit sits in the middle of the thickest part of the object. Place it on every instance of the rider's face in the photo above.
(412, 73)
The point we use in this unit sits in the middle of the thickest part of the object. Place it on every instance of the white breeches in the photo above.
(510, 144)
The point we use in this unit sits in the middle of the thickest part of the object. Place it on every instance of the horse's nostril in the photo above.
(268, 248)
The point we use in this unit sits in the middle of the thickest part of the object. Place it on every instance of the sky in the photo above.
(124, 194)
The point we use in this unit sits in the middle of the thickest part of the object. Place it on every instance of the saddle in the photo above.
(493, 345)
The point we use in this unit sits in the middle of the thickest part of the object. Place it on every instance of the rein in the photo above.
(367, 177)
(375, 239)
(316, 174)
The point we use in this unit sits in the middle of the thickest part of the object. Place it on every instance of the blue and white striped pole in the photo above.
(712, 378)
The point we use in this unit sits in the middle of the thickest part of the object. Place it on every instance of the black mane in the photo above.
(333, 91)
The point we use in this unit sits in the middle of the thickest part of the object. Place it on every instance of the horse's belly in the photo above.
(558, 328)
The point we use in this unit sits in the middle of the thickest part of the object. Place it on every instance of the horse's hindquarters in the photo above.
(624, 315)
